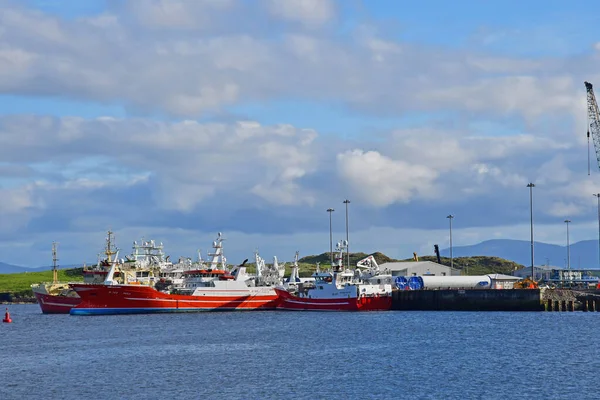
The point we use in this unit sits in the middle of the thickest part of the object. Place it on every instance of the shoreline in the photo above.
(12, 298)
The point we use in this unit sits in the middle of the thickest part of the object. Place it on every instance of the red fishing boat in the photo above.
(57, 297)
(210, 288)
(339, 290)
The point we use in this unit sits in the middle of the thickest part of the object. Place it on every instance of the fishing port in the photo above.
(146, 281)
(299, 199)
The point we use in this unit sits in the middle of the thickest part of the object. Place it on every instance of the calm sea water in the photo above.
(300, 355)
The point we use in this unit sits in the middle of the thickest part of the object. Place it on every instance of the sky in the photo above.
(175, 120)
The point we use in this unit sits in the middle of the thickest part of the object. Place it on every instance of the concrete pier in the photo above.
(468, 300)
(587, 300)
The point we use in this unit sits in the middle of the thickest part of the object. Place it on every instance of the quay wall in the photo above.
(9, 297)
(468, 300)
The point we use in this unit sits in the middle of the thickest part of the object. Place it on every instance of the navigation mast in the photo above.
(54, 263)
(110, 250)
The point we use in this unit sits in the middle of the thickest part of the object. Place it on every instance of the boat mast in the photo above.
(260, 264)
(109, 247)
(54, 265)
(217, 256)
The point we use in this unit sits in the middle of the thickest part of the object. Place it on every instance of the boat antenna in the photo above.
(54, 264)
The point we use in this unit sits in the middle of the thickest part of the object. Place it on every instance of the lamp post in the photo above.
(330, 210)
(346, 202)
(531, 186)
(598, 196)
(568, 247)
(450, 217)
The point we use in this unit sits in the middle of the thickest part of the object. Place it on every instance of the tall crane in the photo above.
(593, 121)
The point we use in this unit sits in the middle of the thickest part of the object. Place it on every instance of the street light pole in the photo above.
(450, 217)
(598, 196)
(531, 186)
(330, 210)
(568, 247)
(346, 202)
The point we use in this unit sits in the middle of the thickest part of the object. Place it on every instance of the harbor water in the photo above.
(300, 355)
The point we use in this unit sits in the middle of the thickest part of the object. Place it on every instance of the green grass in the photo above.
(478, 265)
(22, 282)
(324, 258)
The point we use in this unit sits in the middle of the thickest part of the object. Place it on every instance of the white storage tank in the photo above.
(457, 282)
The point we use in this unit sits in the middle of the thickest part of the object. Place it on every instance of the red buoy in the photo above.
(7, 317)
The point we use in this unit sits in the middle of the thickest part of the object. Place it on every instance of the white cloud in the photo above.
(562, 210)
(381, 181)
(289, 162)
(529, 96)
(484, 172)
(173, 195)
(500, 147)
(439, 149)
(310, 12)
(554, 171)
(229, 60)
(189, 161)
(16, 200)
(192, 58)
(491, 64)
(178, 14)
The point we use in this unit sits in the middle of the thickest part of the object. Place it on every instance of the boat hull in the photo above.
(288, 301)
(135, 299)
(56, 304)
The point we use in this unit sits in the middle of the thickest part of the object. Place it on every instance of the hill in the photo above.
(478, 265)
(584, 254)
(324, 258)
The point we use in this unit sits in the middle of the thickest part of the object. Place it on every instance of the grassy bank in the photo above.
(21, 283)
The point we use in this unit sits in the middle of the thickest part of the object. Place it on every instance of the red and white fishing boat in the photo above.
(57, 297)
(339, 290)
(140, 267)
(209, 288)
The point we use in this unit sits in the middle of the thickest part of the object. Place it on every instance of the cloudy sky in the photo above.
(174, 120)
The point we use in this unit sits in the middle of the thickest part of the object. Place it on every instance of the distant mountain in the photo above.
(13, 269)
(9, 268)
(584, 254)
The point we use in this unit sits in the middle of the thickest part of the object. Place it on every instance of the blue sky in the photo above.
(175, 120)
